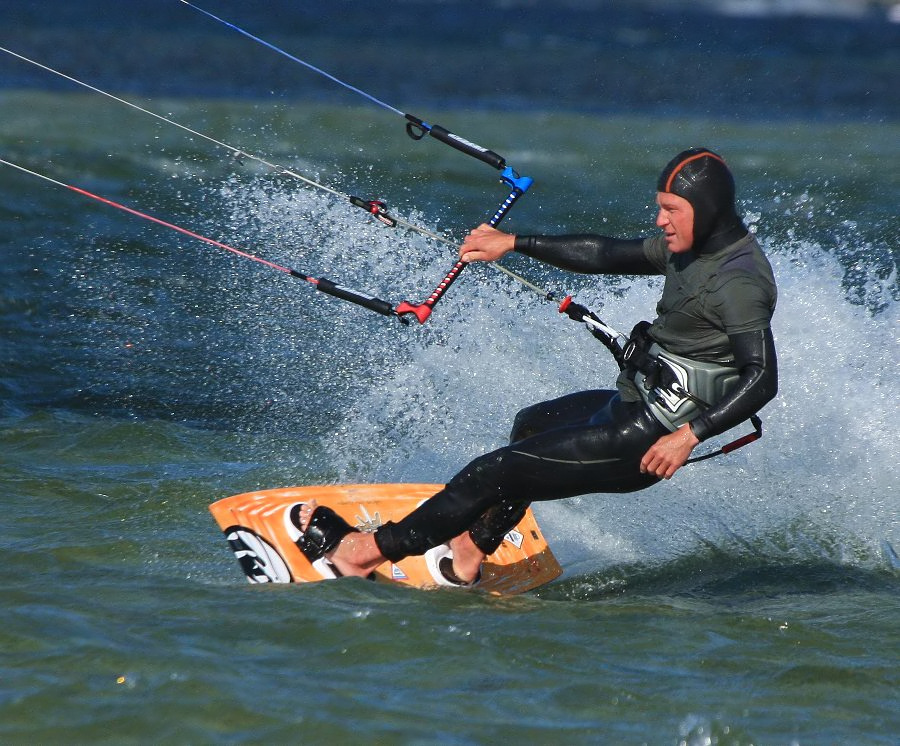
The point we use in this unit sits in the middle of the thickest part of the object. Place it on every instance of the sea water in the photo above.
(753, 599)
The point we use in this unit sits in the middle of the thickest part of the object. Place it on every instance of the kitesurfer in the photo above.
(704, 365)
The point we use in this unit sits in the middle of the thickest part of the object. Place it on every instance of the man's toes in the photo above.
(306, 512)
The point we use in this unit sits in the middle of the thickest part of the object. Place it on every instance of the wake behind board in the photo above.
(261, 528)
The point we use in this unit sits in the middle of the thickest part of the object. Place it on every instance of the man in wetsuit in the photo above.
(713, 320)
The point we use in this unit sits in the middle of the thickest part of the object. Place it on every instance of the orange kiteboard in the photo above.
(261, 528)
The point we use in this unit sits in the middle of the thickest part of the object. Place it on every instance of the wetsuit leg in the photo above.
(573, 409)
(600, 455)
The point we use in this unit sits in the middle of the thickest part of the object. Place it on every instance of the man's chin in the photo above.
(677, 246)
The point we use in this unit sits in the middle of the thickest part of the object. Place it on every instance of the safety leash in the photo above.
(735, 444)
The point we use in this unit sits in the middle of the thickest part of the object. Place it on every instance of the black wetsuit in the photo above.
(716, 306)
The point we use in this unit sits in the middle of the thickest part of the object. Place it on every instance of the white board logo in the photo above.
(259, 560)
(515, 538)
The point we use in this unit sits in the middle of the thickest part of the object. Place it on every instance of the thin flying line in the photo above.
(296, 59)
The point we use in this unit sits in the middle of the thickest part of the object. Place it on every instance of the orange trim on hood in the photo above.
(696, 156)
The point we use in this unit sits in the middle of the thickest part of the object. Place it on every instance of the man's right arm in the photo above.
(585, 253)
(589, 253)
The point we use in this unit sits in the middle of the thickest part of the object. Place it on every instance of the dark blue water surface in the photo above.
(645, 57)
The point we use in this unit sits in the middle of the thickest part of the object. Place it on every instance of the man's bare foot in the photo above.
(355, 555)
(467, 558)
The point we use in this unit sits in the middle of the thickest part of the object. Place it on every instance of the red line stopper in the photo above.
(421, 311)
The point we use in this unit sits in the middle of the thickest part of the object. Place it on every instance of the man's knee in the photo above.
(525, 424)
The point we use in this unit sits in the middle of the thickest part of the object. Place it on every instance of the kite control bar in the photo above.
(423, 310)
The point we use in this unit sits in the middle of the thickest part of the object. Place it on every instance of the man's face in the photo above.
(676, 218)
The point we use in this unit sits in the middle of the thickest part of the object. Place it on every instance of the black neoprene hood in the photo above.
(702, 178)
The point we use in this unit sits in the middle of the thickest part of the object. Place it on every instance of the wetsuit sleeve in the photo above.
(590, 254)
(754, 357)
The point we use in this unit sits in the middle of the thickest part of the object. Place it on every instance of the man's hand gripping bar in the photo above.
(519, 185)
